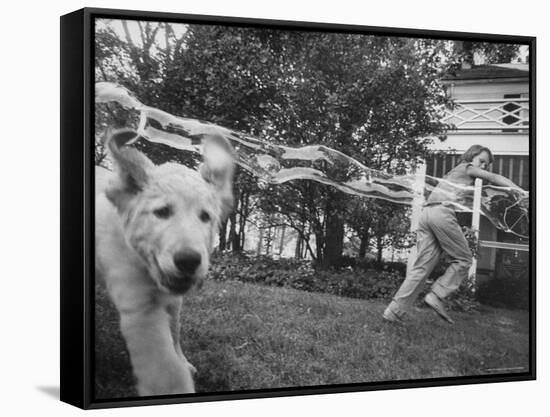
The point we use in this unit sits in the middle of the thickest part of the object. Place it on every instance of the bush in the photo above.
(508, 292)
(366, 264)
(362, 280)
(301, 275)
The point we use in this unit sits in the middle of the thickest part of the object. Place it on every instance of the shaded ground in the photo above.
(242, 336)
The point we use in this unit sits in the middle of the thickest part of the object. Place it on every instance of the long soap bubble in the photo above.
(506, 208)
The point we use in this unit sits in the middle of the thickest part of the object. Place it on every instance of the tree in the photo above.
(377, 99)
(485, 52)
(379, 223)
(204, 72)
(295, 207)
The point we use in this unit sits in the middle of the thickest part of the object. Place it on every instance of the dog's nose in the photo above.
(187, 261)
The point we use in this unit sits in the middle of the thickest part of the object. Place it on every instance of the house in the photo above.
(492, 109)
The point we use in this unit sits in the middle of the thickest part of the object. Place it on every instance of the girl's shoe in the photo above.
(435, 303)
(391, 317)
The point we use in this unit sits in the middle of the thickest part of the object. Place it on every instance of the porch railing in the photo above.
(497, 115)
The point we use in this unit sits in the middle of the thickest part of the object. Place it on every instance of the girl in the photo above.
(438, 232)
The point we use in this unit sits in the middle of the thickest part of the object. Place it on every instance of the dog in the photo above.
(155, 227)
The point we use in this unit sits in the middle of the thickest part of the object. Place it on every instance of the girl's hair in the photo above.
(474, 151)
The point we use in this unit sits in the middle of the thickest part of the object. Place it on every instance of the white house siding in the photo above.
(486, 89)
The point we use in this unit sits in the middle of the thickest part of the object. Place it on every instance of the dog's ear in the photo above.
(218, 168)
(131, 166)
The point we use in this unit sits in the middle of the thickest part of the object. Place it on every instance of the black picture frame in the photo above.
(77, 208)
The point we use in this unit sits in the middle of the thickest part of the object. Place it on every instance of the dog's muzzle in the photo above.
(180, 284)
(186, 262)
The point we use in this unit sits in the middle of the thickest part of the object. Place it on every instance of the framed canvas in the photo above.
(257, 208)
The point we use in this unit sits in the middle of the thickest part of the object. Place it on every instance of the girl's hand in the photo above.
(518, 192)
(521, 197)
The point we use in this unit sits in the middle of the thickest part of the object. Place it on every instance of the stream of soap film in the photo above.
(506, 208)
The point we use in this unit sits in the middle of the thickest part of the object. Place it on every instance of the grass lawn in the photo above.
(242, 336)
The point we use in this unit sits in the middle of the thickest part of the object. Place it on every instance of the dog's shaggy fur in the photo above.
(155, 230)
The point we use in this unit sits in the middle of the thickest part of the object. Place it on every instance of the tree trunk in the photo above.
(243, 216)
(319, 247)
(364, 245)
(268, 241)
(304, 249)
(334, 238)
(241, 236)
(233, 235)
(282, 241)
(298, 248)
(380, 247)
(260, 239)
(223, 236)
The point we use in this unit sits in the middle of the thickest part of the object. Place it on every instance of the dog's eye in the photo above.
(204, 216)
(163, 212)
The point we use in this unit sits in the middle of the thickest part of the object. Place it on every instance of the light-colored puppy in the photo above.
(155, 228)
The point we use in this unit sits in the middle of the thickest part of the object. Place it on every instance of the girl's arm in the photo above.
(491, 177)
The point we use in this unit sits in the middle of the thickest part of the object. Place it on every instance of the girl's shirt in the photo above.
(445, 191)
